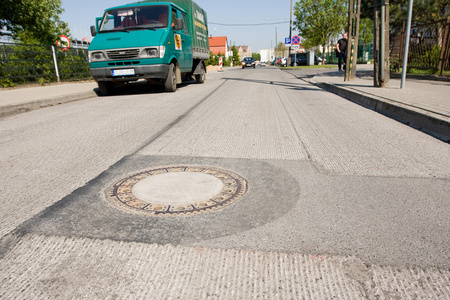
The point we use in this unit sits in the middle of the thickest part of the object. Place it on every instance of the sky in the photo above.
(81, 14)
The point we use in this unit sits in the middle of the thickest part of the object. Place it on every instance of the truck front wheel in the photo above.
(170, 84)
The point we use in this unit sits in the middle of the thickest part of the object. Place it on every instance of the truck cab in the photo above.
(149, 40)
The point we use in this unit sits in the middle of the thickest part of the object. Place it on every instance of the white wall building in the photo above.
(267, 55)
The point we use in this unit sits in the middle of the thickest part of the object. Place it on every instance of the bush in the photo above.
(32, 63)
(214, 60)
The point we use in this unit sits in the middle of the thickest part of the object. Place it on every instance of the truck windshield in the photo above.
(135, 18)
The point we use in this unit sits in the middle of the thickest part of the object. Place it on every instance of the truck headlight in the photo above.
(97, 56)
(154, 52)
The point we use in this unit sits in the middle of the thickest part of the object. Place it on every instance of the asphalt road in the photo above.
(325, 176)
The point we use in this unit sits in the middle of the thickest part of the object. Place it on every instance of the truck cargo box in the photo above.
(198, 26)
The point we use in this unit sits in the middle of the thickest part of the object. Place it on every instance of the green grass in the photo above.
(423, 72)
(311, 67)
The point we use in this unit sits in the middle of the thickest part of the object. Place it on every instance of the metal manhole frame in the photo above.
(120, 193)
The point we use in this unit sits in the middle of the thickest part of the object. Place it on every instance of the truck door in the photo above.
(183, 43)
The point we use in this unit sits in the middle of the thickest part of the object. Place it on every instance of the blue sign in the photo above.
(295, 40)
(287, 41)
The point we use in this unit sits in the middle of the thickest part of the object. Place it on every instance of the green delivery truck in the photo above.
(161, 42)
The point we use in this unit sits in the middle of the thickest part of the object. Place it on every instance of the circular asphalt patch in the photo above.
(177, 191)
(268, 193)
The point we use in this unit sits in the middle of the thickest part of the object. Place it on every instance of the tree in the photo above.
(424, 11)
(256, 56)
(280, 50)
(319, 20)
(33, 21)
(365, 31)
(235, 58)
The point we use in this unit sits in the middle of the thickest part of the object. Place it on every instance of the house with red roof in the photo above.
(219, 44)
(244, 51)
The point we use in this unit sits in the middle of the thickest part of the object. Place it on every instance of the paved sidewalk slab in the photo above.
(18, 100)
(422, 104)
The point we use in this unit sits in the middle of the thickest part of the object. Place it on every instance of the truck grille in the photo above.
(123, 54)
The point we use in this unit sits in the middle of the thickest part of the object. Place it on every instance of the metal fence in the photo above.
(21, 63)
(365, 54)
(429, 46)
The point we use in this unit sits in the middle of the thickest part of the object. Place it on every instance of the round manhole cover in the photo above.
(177, 190)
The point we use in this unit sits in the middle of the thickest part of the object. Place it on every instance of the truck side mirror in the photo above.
(179, 24)
(93, 30)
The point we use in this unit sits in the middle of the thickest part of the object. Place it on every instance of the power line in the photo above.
(257, 24)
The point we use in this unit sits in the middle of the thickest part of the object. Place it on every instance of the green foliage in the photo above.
(33, 21)
(256, 56)
(365, 31)
(214, 60)
(235, 56)
(31, 63)
(310, 67)
(281, 50)
(6, 83)
(424, 11)
(319, 20)
(427, 59)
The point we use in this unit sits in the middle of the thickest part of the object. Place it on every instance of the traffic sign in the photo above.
(295, 47)
(295, 40)
(63, 43)
(287, 41)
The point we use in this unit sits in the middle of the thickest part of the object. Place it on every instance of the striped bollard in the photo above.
(220, 64)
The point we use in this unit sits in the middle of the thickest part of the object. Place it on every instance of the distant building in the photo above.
(267, 55)
(6, 36)
(219, 45)
(79, 44)
(244, 51)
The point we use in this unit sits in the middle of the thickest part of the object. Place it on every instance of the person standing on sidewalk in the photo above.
(341, 48)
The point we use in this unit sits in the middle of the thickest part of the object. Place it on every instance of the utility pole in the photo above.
(276, 36)
(381, 72)
(276, 40)
(290, 37)
(354, 10)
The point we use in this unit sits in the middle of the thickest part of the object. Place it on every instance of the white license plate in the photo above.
(123, 72)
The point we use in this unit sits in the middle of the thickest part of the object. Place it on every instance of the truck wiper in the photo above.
(139, 27)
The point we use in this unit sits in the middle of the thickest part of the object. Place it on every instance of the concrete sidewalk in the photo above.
(16, 100)
(422, 104)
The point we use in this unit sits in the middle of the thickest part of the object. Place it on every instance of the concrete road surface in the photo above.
(336, 201)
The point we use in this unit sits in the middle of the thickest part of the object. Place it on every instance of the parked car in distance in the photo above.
(248, 62)
(302, 59)
(263, 64)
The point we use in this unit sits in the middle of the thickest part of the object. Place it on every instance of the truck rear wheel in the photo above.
(170, 84)
(200, 78)
(106, 88)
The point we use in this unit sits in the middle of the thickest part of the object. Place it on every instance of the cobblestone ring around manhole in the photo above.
(177, 191)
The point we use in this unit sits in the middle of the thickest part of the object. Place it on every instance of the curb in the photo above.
(422, 120)
(21, 108)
